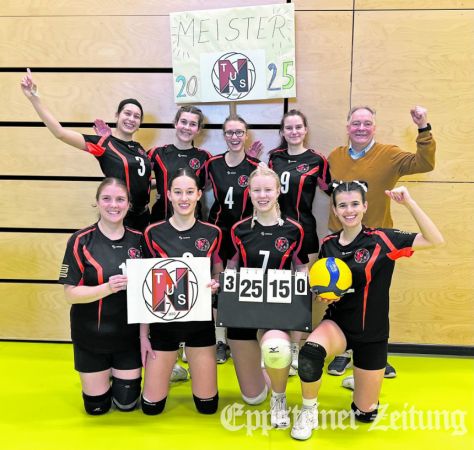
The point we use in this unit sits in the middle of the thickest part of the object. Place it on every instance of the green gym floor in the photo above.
(428, 406)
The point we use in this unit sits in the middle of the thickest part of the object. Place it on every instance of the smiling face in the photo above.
(350, 208)
(113, 203)
(129, 119)
(361, 128)
(187, 127)
(264, 192)
(235, 134)
(294, 130)
(184, 195)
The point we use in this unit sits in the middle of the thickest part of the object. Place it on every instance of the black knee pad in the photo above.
(362, 416)
(125, 393)
(206, 405)
(96, 405)
(311, 362)
(153, 408)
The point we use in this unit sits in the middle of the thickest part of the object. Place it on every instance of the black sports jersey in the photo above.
(127, 161)
(299, 176)
(166, 161)
(202, 239)
(230, 187)
(163, 241)
(268, 247)
(91, 259)
(363, 314)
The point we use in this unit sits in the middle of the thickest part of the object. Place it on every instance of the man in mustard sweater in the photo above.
(381, 165)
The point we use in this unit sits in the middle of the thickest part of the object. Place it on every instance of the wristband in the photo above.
(427, 128)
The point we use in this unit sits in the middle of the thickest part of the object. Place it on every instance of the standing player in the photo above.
(105, 346)
(181, 235)
(118, 155)
(360, 319)
(301, 170)
(267, 241)
(229, 174)
(181, 153)
(381, 165)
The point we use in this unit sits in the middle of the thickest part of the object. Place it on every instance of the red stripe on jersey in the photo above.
(216, 244)
(132, 230)
(286, 255)
(321, 183)
(95, 149)
(76, 248)
(395, 253)
(368, 277)
(296, 259)
(300, 187)
(125, 165)
(100, 278)
(151, 244)
(164, 188)
(243, 253)
(214, 189)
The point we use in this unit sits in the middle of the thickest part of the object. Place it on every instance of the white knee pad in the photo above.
(276, 353)
(260, 398)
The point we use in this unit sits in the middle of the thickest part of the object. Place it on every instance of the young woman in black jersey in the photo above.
(167, 159)
(181, 235)
(301, 171)
(359, 320)
(118, 155)
(228, 174)
(268, 241)
(105, 346)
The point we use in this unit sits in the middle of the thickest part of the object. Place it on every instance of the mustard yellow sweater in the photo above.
(381, 167)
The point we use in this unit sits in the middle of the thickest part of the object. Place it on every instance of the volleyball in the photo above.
(330, 278)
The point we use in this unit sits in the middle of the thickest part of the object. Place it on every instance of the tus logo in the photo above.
(170, 289)
(233, 76)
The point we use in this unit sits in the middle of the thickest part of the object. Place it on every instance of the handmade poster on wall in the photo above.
(234, 54)
(167, 290)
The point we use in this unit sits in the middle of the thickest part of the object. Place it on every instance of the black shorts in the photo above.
(242, 334)
(167, 336)
(369, 355)
(87, 361)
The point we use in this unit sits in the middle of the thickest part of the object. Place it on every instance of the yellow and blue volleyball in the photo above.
(330, 278)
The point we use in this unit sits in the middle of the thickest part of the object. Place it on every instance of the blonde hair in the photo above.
(265, 171)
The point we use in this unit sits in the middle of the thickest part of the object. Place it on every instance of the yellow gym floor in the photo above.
(429, 405)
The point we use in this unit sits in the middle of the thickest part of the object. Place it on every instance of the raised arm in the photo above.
(429, 235)
(30, 90)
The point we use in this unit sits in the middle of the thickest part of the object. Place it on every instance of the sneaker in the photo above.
(304, 425)
(179, 373)
(295, 350)
(339, 364)
(390, 371)
(348, 382)
(183, 352)
(221, 352)
(279, 413)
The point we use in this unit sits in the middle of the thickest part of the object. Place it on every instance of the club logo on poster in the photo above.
(168, 290)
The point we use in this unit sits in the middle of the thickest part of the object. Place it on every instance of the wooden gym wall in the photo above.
(86, 56)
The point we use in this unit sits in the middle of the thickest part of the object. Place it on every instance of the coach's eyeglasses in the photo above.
(238, 133)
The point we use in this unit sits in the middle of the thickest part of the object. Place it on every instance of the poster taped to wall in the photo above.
(234, 54)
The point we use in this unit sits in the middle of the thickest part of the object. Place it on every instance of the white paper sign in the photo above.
(167, 290)
(234, 54)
